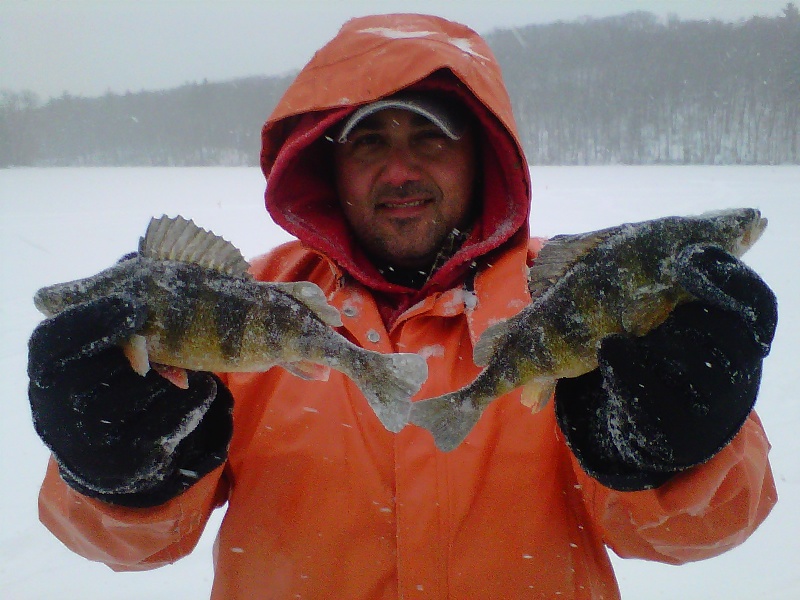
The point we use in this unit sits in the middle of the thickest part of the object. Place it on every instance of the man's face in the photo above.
(404, 185)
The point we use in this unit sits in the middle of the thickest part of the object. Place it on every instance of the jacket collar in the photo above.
(495, 290)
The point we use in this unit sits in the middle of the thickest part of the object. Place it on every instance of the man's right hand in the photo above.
(118, 436)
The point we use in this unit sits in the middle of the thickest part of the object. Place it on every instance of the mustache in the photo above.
(408, 189)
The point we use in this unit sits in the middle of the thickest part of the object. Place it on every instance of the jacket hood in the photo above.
(371, 58)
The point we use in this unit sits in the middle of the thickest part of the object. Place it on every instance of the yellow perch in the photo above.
(206, 313)
(583, 287)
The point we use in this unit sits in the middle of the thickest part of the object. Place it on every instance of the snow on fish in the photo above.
(205, 312)
(584, 287)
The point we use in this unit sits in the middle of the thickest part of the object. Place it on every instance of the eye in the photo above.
(430, 141)
(366, 140)
(366, 145)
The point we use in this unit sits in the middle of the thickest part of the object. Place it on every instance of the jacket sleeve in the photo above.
(128, 539)
(699, 513)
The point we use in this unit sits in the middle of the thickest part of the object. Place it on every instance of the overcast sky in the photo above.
(89, 47)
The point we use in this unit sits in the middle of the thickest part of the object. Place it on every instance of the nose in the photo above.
(400, 166)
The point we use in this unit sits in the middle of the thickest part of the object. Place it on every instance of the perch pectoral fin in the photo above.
(537, 393)
(645, 315)
(308, 370)
(135, 350)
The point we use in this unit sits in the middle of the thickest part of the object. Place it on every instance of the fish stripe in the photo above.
(230, 316)
(181, 307)
(177, 321)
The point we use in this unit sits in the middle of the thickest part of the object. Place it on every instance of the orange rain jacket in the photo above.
(325, 503)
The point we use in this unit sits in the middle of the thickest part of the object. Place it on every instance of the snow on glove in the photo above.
(675, 397)
(118, 436)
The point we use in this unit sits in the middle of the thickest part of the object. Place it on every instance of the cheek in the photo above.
(352, 188)
(353, 197)
(458, 187)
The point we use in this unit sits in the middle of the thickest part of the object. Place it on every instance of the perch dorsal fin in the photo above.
(559, 255)
(181, 240)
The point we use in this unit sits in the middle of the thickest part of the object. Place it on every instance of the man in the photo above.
(394, 160)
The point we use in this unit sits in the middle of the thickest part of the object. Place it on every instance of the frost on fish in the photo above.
(207, 313)
(583, 288)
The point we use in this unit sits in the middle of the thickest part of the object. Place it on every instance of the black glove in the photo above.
(673, 398)
(118, 436)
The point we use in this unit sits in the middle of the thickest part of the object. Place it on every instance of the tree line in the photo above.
(638, 91)
(621, 90)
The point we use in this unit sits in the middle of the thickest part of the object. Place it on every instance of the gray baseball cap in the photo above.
(445, 115)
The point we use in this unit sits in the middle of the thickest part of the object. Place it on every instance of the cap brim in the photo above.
(433, 109)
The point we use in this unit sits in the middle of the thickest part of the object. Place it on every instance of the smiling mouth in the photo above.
(404, 203)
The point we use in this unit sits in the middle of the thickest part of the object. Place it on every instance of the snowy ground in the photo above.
(60, 224)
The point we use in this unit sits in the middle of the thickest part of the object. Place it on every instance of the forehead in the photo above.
(392, 117)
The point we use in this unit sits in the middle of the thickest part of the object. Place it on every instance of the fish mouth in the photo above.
(753, 233)
(41, 300)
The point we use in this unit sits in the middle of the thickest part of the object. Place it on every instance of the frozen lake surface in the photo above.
(60, 224)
